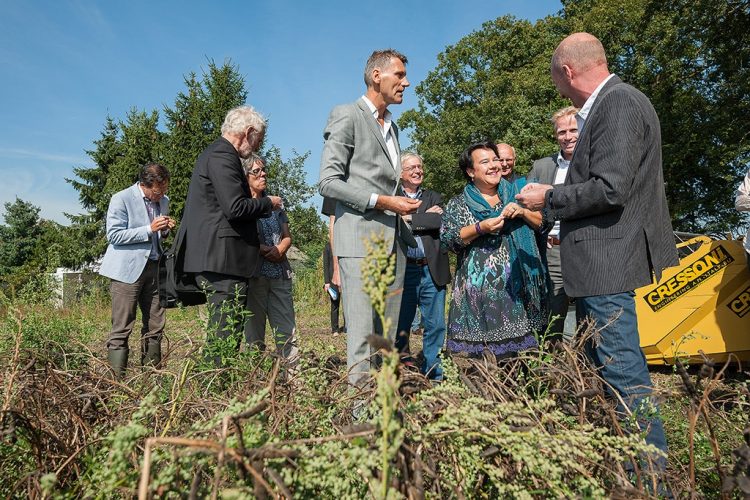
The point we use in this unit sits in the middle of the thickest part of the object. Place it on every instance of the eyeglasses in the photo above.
(413, 168)
(157, 191)
(256, 172)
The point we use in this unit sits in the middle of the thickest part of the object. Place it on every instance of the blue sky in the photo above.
(69, 64)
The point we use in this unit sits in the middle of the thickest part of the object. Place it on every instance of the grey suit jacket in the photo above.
(615, 226)
(354, 164)
(543, 170)
(128, 235)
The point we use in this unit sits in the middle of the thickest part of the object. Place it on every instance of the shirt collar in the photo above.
(145, 198)
(561, 161)
(374, 110)
(583, 113)
(413, 196)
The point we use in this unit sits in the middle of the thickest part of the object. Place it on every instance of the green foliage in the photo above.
(195, 121)
(112, 471)
(18, 235)
(690, 58)
(309, 232)
(493, 84)
(191, 124)
(31, 248)
(286, 178)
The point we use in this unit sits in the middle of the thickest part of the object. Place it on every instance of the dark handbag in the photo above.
(176, 287)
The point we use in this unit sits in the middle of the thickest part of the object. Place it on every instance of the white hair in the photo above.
(240, 118)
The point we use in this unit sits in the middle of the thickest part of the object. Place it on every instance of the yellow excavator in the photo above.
(700, 307)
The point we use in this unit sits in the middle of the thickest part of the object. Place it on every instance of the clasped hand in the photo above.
(533, 195)
(162, 223)
(271, 253)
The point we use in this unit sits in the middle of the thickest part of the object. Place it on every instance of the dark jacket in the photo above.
(220, 216)
(427, 226)
(615, 228)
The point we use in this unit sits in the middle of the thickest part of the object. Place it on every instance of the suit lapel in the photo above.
(372, 123)
(374, 126)
(139, 202)
(554, 170)
(615, 80)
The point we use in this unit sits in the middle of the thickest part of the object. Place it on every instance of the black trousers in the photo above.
(335, 313)
(227, 295)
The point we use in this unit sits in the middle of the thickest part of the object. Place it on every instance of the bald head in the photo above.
(579, 65)
(581, 51)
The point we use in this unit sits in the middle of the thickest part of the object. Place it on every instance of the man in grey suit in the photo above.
(554, 170)
(137, 221)
(615, 228)
(360, 169)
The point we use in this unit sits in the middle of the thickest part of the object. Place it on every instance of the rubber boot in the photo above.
(151, 353)
(118, 360)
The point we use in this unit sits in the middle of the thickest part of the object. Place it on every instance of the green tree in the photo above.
(191, 124)
(18, 235)
(691, 58)
(195, 121)
(286, 178)
(493, 84)
(30, 248)
(120, 152)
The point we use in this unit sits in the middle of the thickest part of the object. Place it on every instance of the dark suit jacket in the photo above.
(428, 227)
(615, 226)
(221, 234)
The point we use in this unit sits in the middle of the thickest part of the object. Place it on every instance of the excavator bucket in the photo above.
(701, 307)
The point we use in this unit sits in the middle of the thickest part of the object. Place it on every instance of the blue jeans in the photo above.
(419, 289)
(618, 354)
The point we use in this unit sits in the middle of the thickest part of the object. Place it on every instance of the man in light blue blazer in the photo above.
(360, 169)
(137, 221)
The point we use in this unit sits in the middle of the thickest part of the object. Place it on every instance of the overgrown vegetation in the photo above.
(537, 426)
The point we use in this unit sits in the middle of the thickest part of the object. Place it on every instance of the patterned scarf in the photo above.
(525, 261)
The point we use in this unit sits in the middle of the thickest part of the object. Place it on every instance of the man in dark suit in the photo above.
(221, 238)
(615, 229)
(554, 170)
(427, 270)
(360, 168)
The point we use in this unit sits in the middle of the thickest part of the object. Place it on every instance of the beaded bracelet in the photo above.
(478, 228)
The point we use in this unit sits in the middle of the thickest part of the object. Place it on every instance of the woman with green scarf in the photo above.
(499, 290)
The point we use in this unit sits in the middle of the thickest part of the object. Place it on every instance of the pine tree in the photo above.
(195, 122)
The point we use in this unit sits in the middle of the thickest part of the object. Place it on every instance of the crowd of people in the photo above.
(588, 223)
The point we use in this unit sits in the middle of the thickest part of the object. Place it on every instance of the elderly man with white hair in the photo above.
(221, 236)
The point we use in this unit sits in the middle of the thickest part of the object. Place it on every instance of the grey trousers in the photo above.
(361, 319)
(272, 299)
(144, 294)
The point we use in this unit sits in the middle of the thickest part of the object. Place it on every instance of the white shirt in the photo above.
(742, 203)
(583, 113)
(560, 175)
(390, 141)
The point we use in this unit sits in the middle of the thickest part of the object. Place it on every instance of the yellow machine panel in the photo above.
(702, 305)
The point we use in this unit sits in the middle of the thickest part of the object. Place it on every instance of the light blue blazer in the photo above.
(128, 235)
